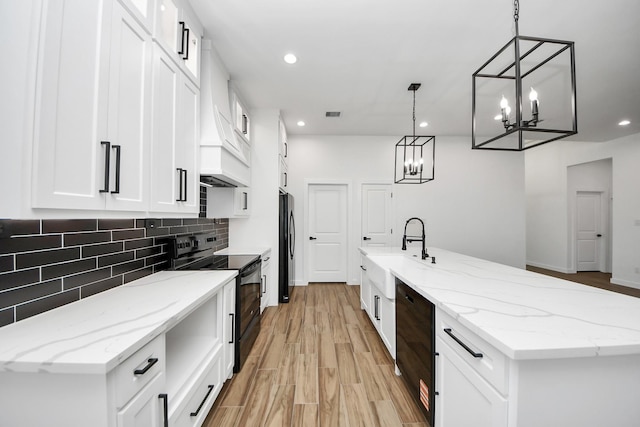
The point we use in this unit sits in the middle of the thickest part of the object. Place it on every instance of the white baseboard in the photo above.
(550, 267)
(627, 283)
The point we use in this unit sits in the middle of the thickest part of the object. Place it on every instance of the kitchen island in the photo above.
(148, 352)
(554, 352)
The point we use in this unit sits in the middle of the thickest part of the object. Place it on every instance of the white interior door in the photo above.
(376, 215)
(327, 240)
(588, 230)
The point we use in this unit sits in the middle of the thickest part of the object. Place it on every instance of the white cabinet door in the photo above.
(164, 174)
(267, 281)
(71, 112)
(387, 314)
(92, 124)
(187, 142)
(464, 397)
(167, 29)
(284, 174)
(365, 286)
(145, 409)
(228, 325)
(129, 120)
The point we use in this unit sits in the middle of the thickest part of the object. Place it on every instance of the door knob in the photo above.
(313, 238)
(366, 238)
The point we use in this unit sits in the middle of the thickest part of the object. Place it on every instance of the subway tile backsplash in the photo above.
(51, 262)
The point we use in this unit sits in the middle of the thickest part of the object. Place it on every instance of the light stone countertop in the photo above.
(525, 315)
(95, 334)
(244, 250)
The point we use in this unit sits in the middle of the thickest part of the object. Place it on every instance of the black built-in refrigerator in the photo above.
(287, 247)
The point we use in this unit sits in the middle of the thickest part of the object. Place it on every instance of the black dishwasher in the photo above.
(415, 346)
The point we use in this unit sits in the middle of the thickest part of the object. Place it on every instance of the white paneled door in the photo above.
(376, 215)
(327, 240)
(588, 230)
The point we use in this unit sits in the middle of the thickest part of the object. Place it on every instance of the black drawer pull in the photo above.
(117, 190)
(408, 297)
(165, 408)
(466, 347)
(233, 329)
(152, 361)
(195, 414)
(107, 166)
(363, 268)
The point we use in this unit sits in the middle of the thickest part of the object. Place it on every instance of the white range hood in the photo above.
(224, 159)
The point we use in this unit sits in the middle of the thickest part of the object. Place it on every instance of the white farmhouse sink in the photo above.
(378, 271)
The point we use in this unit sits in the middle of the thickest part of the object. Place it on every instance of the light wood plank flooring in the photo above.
(317, 362)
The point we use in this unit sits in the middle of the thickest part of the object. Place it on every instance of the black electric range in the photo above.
(195, 252)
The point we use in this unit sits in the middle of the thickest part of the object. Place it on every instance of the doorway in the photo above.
(327, 219)
(589, 231)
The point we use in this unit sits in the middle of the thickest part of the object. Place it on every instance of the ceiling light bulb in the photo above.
(533, 95)
(301, 123)
(290, 58)
(504, 103)
(624, 123)
(424, 124)
(498, 117)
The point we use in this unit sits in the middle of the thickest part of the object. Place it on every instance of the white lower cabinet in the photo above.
(464, 397)
(381, 310)
(267, 282)
(228, 327)
(145, 408)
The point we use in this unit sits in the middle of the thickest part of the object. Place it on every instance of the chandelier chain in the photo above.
(516, 10)
(414, 113)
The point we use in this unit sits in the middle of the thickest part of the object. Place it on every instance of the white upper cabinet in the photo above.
(241, 116)
(174, 183)
(179, 33)
(92, 108)
(142, 10)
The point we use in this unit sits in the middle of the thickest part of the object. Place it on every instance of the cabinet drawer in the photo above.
(201, 396)
(488, 362)
(138, 370)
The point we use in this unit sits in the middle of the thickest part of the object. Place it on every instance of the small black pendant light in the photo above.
(542, 66)
(415, 156)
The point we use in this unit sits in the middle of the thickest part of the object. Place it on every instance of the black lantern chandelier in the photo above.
(541, 66)
(415, 155)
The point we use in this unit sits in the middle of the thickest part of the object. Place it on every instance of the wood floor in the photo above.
(317, 362)
(590, 278)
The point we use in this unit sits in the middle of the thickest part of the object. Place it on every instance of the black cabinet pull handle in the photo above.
(183, 27)
(117, 190)
(233, 329)
(165, 408)
(285, 179)
(195, 414)
(366, 238)
(186, 42)
(286, 150)
(245, 122)
(184, 182)
(264, 282)
(313, 238)
(180, 187)
(408, 297)
(466, 347)
(107, 165)
(363, 268)
(245, 201)
(150, 362)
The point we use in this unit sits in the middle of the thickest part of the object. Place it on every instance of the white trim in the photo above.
(627, 283)
(550, 267)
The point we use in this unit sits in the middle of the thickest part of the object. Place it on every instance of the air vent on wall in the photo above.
(332, 114)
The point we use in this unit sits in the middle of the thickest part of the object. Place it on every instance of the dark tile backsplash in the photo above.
(48, 263)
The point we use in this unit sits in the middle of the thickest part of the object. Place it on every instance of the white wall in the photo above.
(549, 201)
(475, 205)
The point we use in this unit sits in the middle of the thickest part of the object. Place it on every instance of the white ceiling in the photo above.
(359, 57)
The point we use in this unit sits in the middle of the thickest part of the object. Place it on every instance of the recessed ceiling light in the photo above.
(424, 124)
(624, 122)
(301, 123)
(290, 58)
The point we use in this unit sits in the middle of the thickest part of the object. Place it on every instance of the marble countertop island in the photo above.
(523, 314)
(95, 334)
